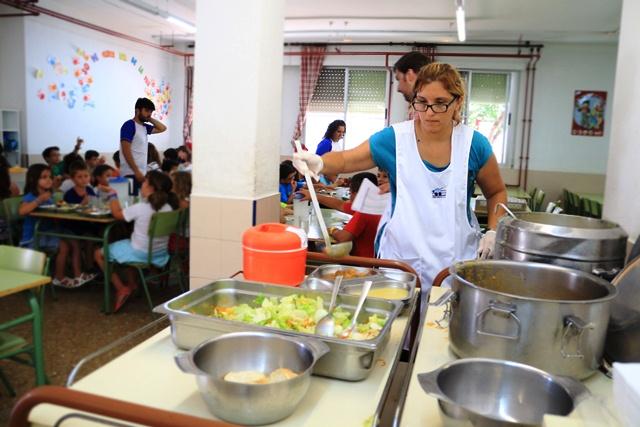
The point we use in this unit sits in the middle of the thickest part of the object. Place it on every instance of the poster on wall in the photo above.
(588, 112)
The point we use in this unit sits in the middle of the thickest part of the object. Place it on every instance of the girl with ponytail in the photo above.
(156, 197)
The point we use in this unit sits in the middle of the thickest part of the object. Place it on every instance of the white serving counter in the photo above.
(422, 410)
(148, 375)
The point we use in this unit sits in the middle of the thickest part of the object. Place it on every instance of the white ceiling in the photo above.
(377, 20)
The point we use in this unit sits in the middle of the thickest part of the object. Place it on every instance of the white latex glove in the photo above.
(485, 248)
(307, 162)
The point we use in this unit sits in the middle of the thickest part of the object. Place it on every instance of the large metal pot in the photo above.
(623, 337)
(264, 352)
(498, 393)
(550, 317)
(587, 244)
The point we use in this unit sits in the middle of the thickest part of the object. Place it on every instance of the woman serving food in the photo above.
(432, 163)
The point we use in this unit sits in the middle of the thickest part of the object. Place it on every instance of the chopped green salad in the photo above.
(295, 313)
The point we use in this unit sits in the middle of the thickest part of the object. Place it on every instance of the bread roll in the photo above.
(281, 374)
(246, 377)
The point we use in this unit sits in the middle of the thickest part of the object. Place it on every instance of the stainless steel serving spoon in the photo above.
(326, 326)
(338, 250)
(363, 296)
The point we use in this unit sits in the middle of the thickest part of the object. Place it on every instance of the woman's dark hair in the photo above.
(5, 178)
(185, 150)
(162, 193)
(333, 127)
(169, 164)
(152, 154)
(170, 153)
(356, 180)
(33, 176)
(69, 160)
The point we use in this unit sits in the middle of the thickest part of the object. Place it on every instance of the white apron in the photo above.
(429, 228)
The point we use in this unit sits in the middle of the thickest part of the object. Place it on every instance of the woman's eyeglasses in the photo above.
(421, 106)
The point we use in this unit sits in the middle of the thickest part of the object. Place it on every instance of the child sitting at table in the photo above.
(182, 187)
(362, 228)
(37, 191)
(92, 158)
(287, 183)
(100, 180)
(80, 194)
(157, 197)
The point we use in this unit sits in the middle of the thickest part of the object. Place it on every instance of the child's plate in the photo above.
(68, 208)
(96, 212)
(49, 207)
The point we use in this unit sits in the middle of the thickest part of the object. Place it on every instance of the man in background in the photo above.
(134, 141)
(406, 71)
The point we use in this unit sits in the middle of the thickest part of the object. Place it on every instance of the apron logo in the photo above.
(439, 193)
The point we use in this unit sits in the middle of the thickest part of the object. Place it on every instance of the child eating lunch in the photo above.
(156, 197)
(37, 192)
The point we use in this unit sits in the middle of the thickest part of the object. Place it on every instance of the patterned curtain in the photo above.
(188, 119)
(310, 66)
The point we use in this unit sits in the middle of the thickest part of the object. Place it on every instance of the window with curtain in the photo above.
(488, 108)
(355, 95)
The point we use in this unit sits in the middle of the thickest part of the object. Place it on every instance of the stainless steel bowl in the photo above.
(492, 392)
(252, 404)
(399, 275)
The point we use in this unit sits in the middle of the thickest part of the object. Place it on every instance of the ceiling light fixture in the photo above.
(182, 24)
(462, 34)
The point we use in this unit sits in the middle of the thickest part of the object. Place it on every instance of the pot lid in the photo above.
(625, 309)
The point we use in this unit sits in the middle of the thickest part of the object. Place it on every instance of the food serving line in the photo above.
(551, 317)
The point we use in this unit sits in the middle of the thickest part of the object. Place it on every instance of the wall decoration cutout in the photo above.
(76, 91)
(588, 113)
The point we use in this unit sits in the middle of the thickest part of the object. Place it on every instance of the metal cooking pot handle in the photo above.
(606, 274)
(429, 383)
(185, 363)
(366, 360)
(317, 347)
(502, 308)
(447, 298)
(576, 389)
(503, 206)
(573, 322)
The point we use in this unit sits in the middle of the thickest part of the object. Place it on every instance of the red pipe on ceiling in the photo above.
(28, 7)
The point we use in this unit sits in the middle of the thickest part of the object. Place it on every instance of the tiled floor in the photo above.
(73, 328)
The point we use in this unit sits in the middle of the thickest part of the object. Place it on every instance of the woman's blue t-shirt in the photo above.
(324, 147)
(383, 151)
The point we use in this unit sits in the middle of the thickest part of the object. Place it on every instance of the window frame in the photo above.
(512, 93)
(347, 69)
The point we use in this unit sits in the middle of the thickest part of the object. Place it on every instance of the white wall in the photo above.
(563, 69)
(290, 107)
(621, 203)
(116, 86)
(12, 67)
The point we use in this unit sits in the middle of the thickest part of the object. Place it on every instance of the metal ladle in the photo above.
(338, 250)
(363, 296)
(326, 326)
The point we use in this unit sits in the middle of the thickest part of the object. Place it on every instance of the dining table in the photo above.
(107, 222)
(14, 282)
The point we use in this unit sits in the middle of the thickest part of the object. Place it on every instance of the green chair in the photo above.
(596, 209)
(537, 200)
(585, 206)
(162, 224)
(14, 221)
(532, 196)
(12, 346)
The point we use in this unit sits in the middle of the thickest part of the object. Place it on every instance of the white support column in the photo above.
(621, 203)
(236, 129)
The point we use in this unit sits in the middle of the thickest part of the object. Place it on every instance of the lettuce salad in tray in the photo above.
(295, 312)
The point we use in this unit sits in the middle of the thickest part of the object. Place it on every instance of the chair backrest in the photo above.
(162, 224)
(596, 208)
(538, 198)
(22, 259)
(10, 208)
(532, 198)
